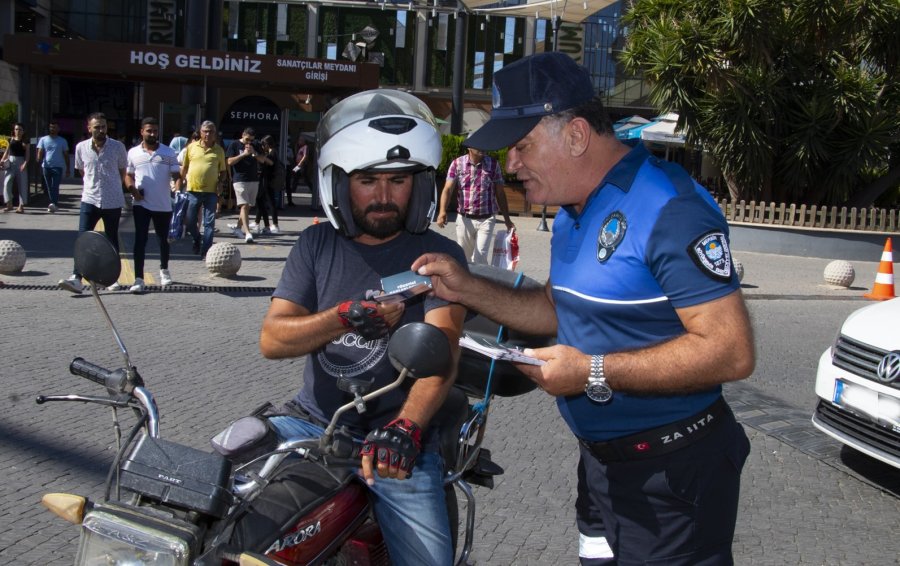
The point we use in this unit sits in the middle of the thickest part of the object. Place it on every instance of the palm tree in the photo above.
(796, 100)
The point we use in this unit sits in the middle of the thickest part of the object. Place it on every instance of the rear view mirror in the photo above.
(420, 348)
(96, 259)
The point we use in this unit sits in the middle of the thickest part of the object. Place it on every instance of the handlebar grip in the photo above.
(87, 370)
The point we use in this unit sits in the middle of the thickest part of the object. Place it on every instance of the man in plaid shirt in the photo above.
(480, 190)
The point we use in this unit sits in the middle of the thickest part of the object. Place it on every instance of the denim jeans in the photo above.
(15, 179)
(412, 513)
(52, 177)
(208, 200)
(90, 214)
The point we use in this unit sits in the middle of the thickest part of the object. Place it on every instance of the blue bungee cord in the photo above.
(482, 406)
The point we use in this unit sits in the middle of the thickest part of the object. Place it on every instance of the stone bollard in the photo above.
(12, 256)
(223, 259)
(839, 273)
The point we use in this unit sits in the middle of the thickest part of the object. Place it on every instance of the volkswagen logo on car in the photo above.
(889, 368)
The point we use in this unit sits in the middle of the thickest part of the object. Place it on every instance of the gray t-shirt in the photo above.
(324, 269)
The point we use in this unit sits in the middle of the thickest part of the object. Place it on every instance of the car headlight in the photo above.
(111, 539)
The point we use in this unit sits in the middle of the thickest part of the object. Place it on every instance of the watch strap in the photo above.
(597, 363)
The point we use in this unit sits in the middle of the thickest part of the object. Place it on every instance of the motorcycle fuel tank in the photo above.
(305, 512)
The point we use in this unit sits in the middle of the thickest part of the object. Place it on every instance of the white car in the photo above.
(858, 383)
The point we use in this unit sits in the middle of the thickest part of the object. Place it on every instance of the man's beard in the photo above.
(383, 227)
(99, 137)
(151, 140)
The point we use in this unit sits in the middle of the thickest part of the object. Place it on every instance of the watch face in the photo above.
(599, 392)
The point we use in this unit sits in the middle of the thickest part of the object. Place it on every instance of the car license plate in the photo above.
(882, 408)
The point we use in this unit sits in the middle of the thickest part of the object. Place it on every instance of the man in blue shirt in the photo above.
(648, 315)
(53, 155)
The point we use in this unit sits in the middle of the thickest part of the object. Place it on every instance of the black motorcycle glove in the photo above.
(363, 317)
(396, 444)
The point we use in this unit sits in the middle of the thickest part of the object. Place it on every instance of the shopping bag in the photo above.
(506, 250)
(179, 210)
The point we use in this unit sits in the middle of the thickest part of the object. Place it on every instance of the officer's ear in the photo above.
(577, 136)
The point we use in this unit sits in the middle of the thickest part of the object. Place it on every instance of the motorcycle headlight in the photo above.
(110, 539)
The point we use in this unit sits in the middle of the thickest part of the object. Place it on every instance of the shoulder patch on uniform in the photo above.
(711, 253)
(612, 231)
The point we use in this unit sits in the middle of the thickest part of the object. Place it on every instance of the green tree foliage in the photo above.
(9, 113)
(796, 100)
(452, 148)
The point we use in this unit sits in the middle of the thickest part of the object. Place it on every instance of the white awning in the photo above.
(662, 130)
(572, 11)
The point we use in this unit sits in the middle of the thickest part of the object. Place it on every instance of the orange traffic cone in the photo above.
(884, 280)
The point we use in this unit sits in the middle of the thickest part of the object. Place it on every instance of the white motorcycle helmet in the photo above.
(378, 130)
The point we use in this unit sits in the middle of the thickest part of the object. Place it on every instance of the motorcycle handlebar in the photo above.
(87, 370)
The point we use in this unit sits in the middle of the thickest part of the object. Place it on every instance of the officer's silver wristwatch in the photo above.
(597, 389)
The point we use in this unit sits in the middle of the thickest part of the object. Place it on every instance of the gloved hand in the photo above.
(394, 448)
(363, 316)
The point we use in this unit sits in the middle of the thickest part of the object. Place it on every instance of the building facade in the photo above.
(273, 65)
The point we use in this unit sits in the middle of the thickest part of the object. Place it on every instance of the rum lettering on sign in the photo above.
(161, 22)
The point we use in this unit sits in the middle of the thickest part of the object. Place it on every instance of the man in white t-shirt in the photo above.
(152, 166)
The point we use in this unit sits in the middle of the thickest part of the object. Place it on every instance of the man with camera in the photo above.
(244, 158)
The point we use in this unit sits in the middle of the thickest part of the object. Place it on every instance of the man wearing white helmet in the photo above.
(377, 154)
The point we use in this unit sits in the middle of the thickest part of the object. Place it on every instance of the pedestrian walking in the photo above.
(178, 142)
(202, 172)
(271, 179)
(15, 163)
(53, 155)
(152, 168)
(101, 161)
(298, 173)
(244, 158)
(648, 314)
(480, 196)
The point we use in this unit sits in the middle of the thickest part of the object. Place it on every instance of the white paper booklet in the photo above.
(497, 351)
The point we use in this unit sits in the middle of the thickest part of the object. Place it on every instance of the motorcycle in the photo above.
(256, 501)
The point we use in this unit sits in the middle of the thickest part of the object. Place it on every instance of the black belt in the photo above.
(476, 216)
(661, 440)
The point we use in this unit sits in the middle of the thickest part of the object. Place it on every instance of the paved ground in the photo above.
(804, 500)
(48, 239)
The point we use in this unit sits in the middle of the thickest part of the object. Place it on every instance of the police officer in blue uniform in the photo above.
(648, 315)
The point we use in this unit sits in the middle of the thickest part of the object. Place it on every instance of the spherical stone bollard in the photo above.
(839, 273)
(223, 259)
(12, 256)
(738, 268)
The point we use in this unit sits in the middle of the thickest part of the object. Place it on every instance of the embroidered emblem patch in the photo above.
(710, 252)
(611, 234)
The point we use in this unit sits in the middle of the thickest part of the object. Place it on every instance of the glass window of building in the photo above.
(266, 28)
(341, 37)
(493, 43)
(102, 20)
(604, 39)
